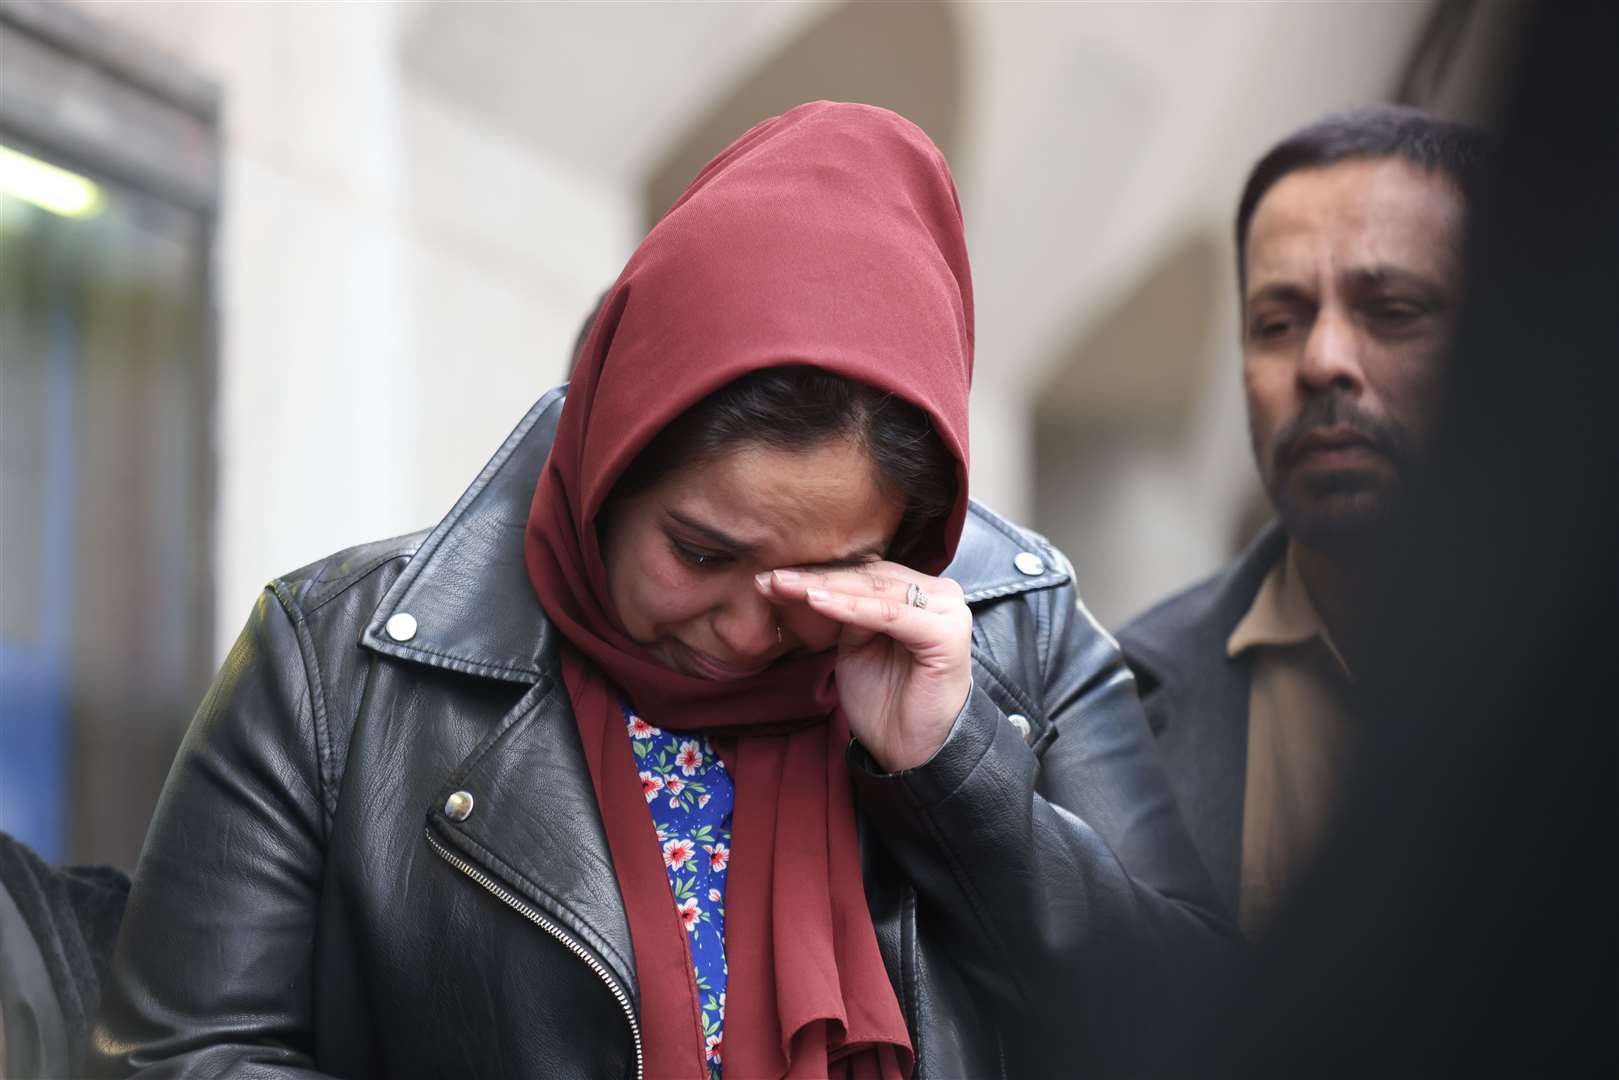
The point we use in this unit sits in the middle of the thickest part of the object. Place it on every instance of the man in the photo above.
(1349, 255)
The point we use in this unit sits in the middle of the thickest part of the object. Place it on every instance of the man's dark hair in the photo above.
(799, 408)
(584, 332)
(1459, 151)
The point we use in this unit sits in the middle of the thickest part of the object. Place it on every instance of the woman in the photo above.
(567, 787)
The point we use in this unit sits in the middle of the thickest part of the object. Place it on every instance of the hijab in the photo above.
(829, 236)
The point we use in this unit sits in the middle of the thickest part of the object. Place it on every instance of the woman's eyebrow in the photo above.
(854, 558)
(720, 539)
(710, 534)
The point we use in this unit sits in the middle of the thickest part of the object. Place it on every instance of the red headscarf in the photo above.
(831, 236)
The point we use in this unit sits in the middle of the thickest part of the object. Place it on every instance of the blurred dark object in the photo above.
(58, 928)
(1462, 920)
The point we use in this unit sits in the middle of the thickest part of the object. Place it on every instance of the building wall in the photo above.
(399, 279)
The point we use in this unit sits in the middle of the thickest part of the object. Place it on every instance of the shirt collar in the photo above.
(1282, 614)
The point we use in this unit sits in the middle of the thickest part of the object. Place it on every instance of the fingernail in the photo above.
(762, 580)
(820, 595)
(786, 577)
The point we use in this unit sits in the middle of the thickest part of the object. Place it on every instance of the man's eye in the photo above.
(1268, 328)
(703, 560)
(1395, 312)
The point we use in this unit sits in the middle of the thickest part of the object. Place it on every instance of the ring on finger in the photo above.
(915, 596)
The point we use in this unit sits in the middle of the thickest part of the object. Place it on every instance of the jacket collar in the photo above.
(996, 558)
(1236, 594)
(466, 590)
(1196, 625)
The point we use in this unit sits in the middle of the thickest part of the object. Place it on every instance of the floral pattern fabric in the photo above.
(691, 797)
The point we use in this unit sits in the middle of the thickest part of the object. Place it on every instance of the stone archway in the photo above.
(905, 57)
(1116, 423)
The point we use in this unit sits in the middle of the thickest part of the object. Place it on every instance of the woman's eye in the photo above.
(703, 560)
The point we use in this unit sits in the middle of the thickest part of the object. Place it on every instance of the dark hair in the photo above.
(801, 407)
(1374, 131)
(583, 335)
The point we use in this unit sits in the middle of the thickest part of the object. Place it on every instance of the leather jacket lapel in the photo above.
(465, 603)
(522, 810)
(524, 814)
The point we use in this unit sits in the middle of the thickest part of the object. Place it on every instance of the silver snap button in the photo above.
(1029, 563)
(1021, 722)
(401, 626)
(458, 807)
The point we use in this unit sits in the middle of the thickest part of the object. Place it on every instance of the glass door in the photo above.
(106, 387)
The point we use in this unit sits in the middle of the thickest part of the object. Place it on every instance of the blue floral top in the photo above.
(691, 797)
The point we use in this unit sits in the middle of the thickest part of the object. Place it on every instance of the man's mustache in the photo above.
(1337, 410)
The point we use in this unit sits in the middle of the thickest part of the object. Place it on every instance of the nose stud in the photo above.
(778, 632)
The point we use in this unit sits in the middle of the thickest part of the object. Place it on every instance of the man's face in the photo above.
(1353, 276)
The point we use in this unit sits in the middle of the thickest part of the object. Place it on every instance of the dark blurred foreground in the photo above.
(1462, 922)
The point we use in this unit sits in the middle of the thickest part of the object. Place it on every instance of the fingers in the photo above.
(878, 581)
(874, 599)
(866, 616)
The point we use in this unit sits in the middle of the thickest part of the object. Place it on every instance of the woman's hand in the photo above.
(904, 658)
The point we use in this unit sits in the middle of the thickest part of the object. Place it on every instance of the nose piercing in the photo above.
(778, 632)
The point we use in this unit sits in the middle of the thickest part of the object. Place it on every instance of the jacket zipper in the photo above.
(502, 894)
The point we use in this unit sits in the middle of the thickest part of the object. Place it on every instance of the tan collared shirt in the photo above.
(1299, 737)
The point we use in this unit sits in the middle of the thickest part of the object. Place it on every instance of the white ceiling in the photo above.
(604, 85)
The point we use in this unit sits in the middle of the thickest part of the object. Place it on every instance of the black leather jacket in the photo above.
(306, 906)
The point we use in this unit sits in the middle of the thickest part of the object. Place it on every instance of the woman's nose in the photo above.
(748, 624)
